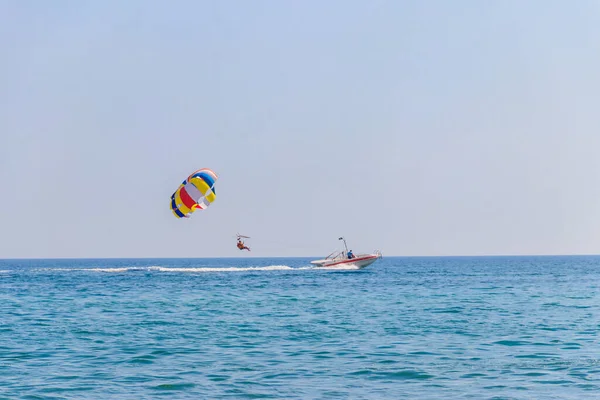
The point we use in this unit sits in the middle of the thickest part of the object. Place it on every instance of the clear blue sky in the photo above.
(416, 127)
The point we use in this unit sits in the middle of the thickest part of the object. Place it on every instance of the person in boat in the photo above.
(241, 245)
(350, 255)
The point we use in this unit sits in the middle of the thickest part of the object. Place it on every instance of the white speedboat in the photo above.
(345, 259)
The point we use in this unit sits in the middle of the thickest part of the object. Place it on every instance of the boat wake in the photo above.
(224, 269)
(192, 269)
(157, 268)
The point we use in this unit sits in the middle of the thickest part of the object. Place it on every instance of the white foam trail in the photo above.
(173, 269)
(220, 269)
(4, 271)
(122, 269)
(158, 268)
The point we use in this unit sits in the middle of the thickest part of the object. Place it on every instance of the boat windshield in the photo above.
(336, 254)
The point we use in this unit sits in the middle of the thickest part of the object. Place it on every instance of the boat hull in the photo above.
(359, 262)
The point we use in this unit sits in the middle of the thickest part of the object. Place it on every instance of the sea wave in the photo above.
(98, 269)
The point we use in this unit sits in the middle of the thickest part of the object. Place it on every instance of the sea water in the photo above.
(415, 328)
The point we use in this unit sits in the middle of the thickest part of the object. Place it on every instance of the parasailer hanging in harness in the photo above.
(241, 245)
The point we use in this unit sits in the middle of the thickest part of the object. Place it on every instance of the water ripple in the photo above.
(427, 328)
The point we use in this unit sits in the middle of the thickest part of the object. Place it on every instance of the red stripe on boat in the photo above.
(352, 260)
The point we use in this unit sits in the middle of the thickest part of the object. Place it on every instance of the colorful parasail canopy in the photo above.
(196, 192)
